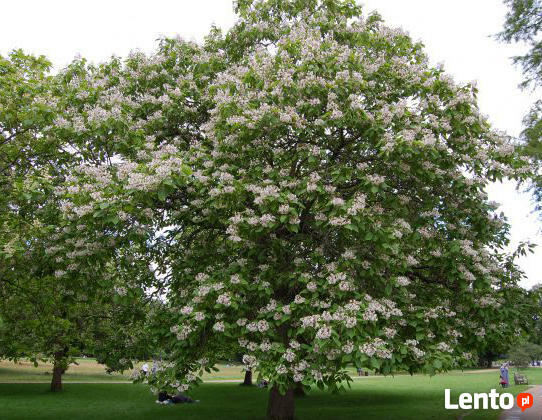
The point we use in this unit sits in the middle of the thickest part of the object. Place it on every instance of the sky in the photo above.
(456, 33)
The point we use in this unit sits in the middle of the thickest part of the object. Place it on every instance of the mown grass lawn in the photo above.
(399, 397)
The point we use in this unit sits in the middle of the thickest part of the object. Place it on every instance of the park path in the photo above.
(531, 413)
(468, 372)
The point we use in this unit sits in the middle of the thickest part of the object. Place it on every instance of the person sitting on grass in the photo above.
(180, 398)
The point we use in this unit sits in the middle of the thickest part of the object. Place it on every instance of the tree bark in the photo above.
(248, 378)
(486, 359)
(299, 391)
(280, 407)
(58, 368)
(56, 382)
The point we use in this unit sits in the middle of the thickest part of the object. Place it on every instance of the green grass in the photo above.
(399, 397)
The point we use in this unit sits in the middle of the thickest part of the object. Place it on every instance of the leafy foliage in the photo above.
(522, 355)
(43, 316)
(523, 24)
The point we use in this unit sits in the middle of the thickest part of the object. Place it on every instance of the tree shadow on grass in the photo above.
(15, 390)
(372, 404)
(217, 401)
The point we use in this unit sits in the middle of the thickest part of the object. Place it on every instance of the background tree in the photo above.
(524, 354)
(523, 24)
(53, 315)
(51, 310)
(28, 106)
(528, 305)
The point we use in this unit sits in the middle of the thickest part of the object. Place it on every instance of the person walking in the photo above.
(504, 375)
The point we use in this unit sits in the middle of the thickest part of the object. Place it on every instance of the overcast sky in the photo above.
(456, 33)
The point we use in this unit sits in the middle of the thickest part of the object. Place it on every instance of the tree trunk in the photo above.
(280, 407)
(486, 359)
(248, 378)
(56, 382)
(299, 391)
(58, 370)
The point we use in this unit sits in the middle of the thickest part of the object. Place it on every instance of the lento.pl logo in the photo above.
(525, 400)
(484, 401)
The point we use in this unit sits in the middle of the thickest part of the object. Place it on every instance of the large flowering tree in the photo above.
(310, 190)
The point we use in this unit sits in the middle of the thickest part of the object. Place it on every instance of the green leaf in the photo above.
(162, 195)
